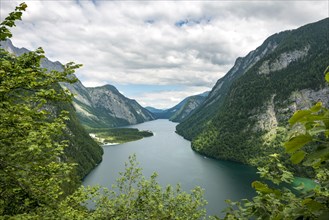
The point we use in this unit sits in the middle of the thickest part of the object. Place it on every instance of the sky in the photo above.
(157, 52)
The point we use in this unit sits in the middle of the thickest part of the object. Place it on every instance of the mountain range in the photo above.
(182, 110)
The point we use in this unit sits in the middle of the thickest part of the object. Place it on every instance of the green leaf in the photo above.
(316, 107)
(326, 133)
(261, 187)
(297, 157)
(298, 116)
(317, 130)
(22, 7)
(312, 204)
(297, 142)
(319, 154)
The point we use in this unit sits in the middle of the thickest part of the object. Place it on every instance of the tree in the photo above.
(308, 146)
(134, 197)
(32, 174)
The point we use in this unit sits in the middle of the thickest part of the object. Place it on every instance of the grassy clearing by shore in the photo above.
(117, 135)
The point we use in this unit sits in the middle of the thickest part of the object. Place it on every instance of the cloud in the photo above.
(186, 43)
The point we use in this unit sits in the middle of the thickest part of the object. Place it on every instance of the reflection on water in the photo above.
(172, 158)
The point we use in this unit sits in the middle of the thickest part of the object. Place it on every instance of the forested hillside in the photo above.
(82, 149)
(194, 125)
(245, 115)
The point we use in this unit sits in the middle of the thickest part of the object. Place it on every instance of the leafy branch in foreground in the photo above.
(10, 21)
(32, 174)
(308, 146)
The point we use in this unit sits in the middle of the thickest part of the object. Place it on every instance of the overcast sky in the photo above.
(157, 52)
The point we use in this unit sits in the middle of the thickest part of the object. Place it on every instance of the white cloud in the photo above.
(187, 43)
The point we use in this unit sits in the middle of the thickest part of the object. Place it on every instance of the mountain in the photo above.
(244, 118)
(105, 106)
(82, 148)
(187, 106)
(154, 111)
(180, 111)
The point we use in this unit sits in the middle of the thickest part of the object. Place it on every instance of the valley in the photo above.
(260, 136)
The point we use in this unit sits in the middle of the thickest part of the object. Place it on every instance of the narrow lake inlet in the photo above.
(172, 158)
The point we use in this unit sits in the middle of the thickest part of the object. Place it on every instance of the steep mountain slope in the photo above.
(182, 110)
(105, 106)
(245, 115)
(187, 106)
(82, 149)
(195, 124)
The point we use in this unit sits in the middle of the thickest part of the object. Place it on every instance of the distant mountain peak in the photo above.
(182, 110)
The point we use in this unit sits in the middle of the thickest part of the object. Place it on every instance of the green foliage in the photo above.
(81, 148)
(31, 172)
(139, 198)
(133, 197)
(309, 128)
(10, 21)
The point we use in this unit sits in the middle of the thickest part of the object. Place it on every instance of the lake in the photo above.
(172, 158)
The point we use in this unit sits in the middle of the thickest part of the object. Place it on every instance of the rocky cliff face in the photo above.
(107, 104)
(283, 60)
(245, 116)
(8, 46)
